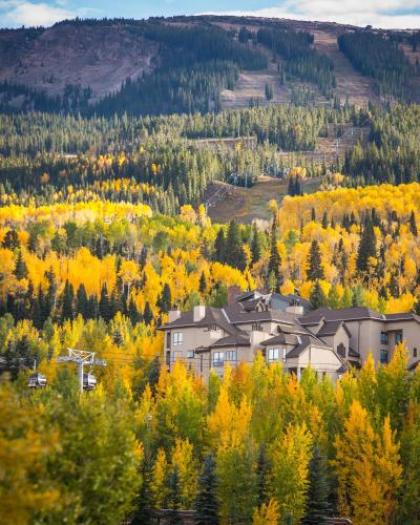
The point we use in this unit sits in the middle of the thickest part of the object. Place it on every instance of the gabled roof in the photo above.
(343, 314)
(280, 339)
(330, 328)
(240, 339)
(237, 314)
(213, 316)
(305, 342)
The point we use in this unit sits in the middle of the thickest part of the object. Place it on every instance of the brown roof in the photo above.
(237, 315)
(331, 328)
(343, 314)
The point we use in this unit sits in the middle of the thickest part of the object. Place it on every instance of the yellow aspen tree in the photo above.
(368, 470)
(158, 485)
(267, 514)
(183, 460)
(290, 455)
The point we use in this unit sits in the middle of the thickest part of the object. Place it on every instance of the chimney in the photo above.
(296, 309)
(233, 293)
(198, 313)
(174, 315)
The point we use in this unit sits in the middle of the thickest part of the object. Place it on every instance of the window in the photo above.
(168, 358)
(218, 358)
(190, 354)
(178, 338)
(384, 356)
(212, 328)
(384, 338)
(230, 356)
(341, 350)
(398, 337)
(257, 327)
(273, 354)
(168, 339)
(414, 352)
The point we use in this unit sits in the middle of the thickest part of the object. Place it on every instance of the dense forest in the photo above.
(102, 276)
(379, 57)
(302, 60)
(104, 229)
(166, 162)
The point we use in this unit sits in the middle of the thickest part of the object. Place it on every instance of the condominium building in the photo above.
(285, 330)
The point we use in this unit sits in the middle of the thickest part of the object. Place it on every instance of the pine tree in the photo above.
(255, 245)
(51, 297)
(68, 298)
(275, 260)
(82, 306)
(220, 246)
(206, 504)
(203, 283)
(413, 224)
(367, 247)
(104, 304)
(315, 270)
(263, 470)
(133, 313)
(11, 240)
(317, 297)
(235, 255)
(174, 498)
(21, 270)
(148, 314)
(318, 507)
(165, 300)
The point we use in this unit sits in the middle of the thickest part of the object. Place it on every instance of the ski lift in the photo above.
(89, 381)
(37, 380)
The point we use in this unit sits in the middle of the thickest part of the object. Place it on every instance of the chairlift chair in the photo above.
(37, 380)
(89, 381)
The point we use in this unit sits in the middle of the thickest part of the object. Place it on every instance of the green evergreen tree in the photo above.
(165, 299)
(263, 475)
(317, 297)
(148, 314)
(255, 245)
(206, 504)
(367, 247)
(174, 499)
(315, 270)
(82, 306)
(413, 224)
(133, 312)
(234, 254)
(21, 270)
(220, 246)
(67, 311)
(274, 260)
(104, 304)
(203, 283)
(318, 507)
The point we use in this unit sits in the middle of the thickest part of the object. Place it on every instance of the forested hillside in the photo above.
(107, 185)
(184, 65)
(102, 276)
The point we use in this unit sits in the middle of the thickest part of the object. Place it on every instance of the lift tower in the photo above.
(81, 358)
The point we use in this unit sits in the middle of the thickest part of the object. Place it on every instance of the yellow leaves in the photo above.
(158, 486)
(404, 303)
(368, 468)
(267, 514)
(188, 214)
(229, 425)
(186, 466)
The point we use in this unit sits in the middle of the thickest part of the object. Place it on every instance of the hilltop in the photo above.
(73, 65)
